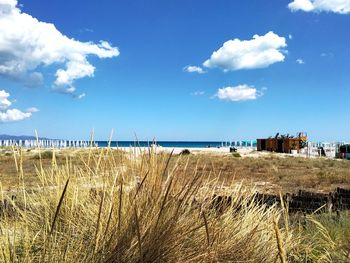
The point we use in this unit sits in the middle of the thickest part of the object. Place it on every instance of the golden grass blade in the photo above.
(137, 224)
(167, 163)
(39, 152)
(15, 158)
(98, 219)
(59, 206)
(281, 251)
(206, 228)
(164, 200)
(120, 207)
(91, 146)
(285, 213)
(109, 219)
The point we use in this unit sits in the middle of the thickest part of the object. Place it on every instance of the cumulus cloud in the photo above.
(7, 5)
(26, 44)
(192, 69)
(300, 61)
(259, 52)
(11, 115)
(238, 93)
(335, 6)
(4, 102)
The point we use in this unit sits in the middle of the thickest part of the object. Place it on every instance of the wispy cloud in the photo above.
(32, 110)
(89, 30)
(300, 61)
(198, 93)
(80, 96)
(327, 54)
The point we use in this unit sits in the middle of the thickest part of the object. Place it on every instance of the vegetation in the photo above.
(103, 205)
(185, 152)
(267, 173)
(236, 154)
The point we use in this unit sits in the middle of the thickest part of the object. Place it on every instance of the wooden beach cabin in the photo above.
(283, 143)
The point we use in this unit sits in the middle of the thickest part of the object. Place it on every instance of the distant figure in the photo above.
(233, 149)
(321, 151)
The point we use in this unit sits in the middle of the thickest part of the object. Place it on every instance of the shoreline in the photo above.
(136, 151)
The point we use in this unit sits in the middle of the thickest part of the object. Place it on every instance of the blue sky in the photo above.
(293, 76)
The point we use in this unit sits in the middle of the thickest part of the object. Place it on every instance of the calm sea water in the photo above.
(172, 144)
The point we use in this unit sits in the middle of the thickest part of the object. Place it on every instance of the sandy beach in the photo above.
(243, 151)
(178, 150)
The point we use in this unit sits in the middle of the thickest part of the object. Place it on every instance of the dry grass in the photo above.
(107, 206)
(274, 174)
(267, 174)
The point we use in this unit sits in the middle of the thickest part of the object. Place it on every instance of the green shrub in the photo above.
(44, 155)
(185, 152)
(236, 154)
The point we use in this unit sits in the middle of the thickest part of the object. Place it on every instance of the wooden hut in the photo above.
(283, 143)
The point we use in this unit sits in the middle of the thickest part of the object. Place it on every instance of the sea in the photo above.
(176, 144)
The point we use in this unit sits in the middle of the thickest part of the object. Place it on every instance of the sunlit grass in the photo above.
(111, 206)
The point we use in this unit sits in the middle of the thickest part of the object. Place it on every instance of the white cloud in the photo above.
(300, 61)
(75, 70)
(26, 44)
(32, 110)
(329, 54)
(11, 115)
(191, 69)
(259, 52)
(198, 93)
(336, 6)
(304, 5)
(89, 30)
(7, 5)
(80, 96)
(4, 102)
(238, 93)
(290, 36)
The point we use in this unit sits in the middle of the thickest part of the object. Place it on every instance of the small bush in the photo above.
(44, 155)
(236, 154)
(185, 152)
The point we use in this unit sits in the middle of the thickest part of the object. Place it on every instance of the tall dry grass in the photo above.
(134, 207)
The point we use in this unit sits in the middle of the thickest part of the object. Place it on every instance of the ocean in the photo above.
(176, 144)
